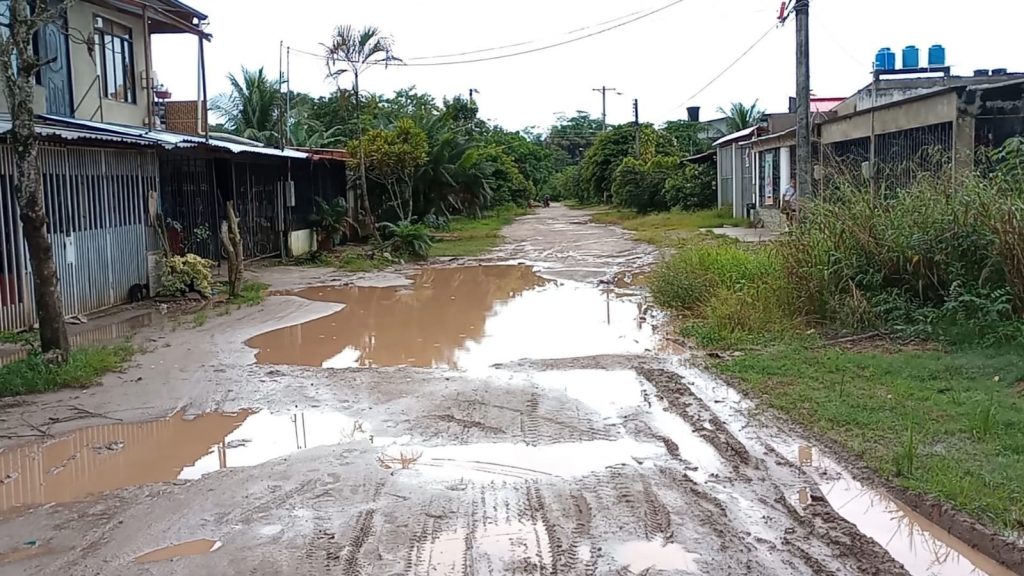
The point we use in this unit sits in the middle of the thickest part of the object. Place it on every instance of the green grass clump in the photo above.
(948, 423)
(32, 375)
(668, 228)
(726, 294)
(468, 237)
(250, 293)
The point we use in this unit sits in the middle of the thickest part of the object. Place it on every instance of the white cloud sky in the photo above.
(661, 60)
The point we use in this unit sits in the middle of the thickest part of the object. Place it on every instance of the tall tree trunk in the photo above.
(362, 158)
(18, 87)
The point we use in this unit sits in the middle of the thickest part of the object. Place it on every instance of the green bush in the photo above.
(691, 187)
(331, 221)
(406, 239)
(639, 186)
(179, 274)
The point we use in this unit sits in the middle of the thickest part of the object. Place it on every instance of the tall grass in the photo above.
(941, 259)
(728, 293)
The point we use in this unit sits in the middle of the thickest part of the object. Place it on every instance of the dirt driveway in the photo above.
(516, 414)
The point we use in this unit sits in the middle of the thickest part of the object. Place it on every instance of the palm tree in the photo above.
(740, 116)
(353, 52)
(252, 108)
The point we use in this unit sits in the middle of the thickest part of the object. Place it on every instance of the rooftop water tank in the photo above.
(911, 57)
(885, 59)
(936, 56)
(1000, 71)
(981, 72)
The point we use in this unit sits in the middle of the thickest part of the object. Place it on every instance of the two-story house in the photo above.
(116, 152)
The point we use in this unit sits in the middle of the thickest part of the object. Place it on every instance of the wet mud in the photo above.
(497, 419)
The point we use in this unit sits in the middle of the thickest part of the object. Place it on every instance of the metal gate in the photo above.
(96, 204)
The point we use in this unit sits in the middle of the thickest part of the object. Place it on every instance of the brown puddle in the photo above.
(92, 461)
(99, 332)
(190, 548)
(467, 317)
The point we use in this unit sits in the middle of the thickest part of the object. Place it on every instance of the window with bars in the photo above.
(115, 59)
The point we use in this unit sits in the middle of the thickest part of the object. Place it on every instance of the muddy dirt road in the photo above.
(516, 414)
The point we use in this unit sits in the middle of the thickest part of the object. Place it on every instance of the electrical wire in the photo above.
(525, 43)
(521, 52)
(727, 68)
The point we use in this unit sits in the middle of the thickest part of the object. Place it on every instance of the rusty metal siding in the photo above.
(96, 202)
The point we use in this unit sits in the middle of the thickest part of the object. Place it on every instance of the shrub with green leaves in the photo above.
(179, 274)
(406, 239)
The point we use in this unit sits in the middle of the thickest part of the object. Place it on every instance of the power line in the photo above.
(525, 43)
(523, 52)
(727, 68)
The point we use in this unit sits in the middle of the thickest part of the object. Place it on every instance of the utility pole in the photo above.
(288, 98)
(636, 126)
(604, 90)
(804, 159)
(472, 91)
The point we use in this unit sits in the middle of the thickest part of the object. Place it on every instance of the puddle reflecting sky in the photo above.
(465, 318)
(100, 459)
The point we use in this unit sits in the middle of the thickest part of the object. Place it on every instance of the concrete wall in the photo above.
(924, 112)
(85, 94)
(301, 242)
(83, 69)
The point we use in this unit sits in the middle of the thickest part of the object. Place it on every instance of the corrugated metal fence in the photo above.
(96, 203)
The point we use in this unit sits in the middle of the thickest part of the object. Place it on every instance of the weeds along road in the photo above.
(516, 414)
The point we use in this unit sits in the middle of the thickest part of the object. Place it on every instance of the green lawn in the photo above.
(474, 236)
(666, 228)
(32, 375)
(945, 423)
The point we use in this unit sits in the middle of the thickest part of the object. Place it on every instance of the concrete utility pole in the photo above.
(636, 125)
(804, 159)
(604, 90)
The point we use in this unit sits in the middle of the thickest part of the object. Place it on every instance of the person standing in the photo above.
(789, 202)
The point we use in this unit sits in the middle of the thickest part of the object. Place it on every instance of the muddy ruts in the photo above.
(677, 394)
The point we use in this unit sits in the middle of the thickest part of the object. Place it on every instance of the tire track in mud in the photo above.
(349, 562)
(673, 389)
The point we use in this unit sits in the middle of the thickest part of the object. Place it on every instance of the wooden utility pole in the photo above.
(804, 158)
(604, 90)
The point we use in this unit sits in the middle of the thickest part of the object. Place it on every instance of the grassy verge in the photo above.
(250, 294)
(667, 228)
(474, 236)
(32, 375)
(946, 423)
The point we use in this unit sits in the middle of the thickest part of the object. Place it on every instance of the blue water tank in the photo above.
(880, 59)
(936, 56)
(911, 57)
(885, 59)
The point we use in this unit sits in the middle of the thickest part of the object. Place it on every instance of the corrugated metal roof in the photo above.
(736, 136)
(119, 132)
(67, 133)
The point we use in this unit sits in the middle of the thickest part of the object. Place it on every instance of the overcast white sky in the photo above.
(661, 60)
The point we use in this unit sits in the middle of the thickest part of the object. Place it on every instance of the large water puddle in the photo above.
(461, 318)
(100, 459)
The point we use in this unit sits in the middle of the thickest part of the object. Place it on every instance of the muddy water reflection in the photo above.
(468, 317)
(100, 459)
(916, 542)
(191, 548)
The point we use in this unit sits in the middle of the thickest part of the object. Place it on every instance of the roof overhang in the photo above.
(165, 16)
